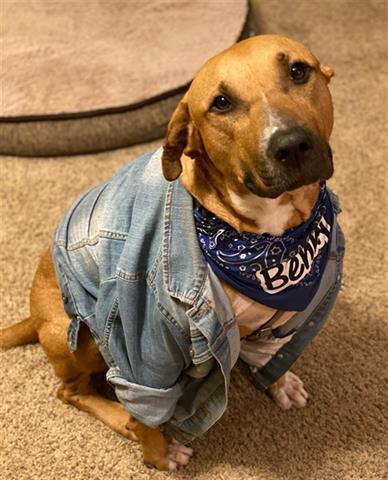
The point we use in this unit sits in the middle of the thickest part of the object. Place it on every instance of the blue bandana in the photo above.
(282, 272)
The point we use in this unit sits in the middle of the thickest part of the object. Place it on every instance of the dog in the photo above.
(134, 288)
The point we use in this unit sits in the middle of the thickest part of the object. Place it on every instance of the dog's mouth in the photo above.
(309, 160)
(272, 187)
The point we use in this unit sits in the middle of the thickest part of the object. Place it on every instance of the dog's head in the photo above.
(259, 114)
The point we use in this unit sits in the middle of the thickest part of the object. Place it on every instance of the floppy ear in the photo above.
(327, 72)
(182, 137)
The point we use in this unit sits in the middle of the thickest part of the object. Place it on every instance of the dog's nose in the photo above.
(291, 146)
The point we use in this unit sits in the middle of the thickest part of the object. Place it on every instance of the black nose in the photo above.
(291, 147)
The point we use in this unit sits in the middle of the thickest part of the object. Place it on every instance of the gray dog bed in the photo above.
(83, 77)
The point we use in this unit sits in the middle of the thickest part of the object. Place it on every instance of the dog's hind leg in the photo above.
(75, 371)
(158, 451)
(79, 392)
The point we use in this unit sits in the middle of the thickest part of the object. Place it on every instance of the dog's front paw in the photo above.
(289, 392)
(178, 457)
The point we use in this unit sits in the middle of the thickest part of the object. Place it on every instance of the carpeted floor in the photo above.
(342, 434)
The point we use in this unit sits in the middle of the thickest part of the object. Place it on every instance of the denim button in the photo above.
(64, 298)
(280, 355)
(311, 324)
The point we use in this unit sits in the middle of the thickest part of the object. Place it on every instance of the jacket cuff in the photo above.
(151, 406)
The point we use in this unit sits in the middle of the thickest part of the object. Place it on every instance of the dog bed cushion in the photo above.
(89, 76)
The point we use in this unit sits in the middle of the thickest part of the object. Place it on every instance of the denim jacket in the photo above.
(128, 264)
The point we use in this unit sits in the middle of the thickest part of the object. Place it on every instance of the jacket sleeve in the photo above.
(149, 357)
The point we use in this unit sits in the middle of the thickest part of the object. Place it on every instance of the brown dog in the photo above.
(226, 143)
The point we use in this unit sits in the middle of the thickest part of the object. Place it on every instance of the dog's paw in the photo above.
(289, 392)
(179, 455)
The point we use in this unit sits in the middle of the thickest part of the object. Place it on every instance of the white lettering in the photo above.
(278, 277)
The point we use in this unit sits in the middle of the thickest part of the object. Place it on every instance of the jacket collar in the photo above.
(184, 267)
(187, 277)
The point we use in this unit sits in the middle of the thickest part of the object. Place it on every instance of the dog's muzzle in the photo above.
(294, 157)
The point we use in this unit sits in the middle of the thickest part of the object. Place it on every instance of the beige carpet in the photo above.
(342, 434)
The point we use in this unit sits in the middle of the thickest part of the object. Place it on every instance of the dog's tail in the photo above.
(18, 334)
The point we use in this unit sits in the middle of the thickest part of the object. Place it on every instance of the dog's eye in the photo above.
(221, 104)
(299, 72)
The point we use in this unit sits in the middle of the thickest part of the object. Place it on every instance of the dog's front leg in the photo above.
(158, 450)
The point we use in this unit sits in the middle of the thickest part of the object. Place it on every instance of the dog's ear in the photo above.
(182, 137)
(327, 72)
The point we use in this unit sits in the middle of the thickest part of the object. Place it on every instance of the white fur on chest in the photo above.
(270, 214)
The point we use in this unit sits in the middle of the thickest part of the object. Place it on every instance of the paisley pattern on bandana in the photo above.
(282, 272)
